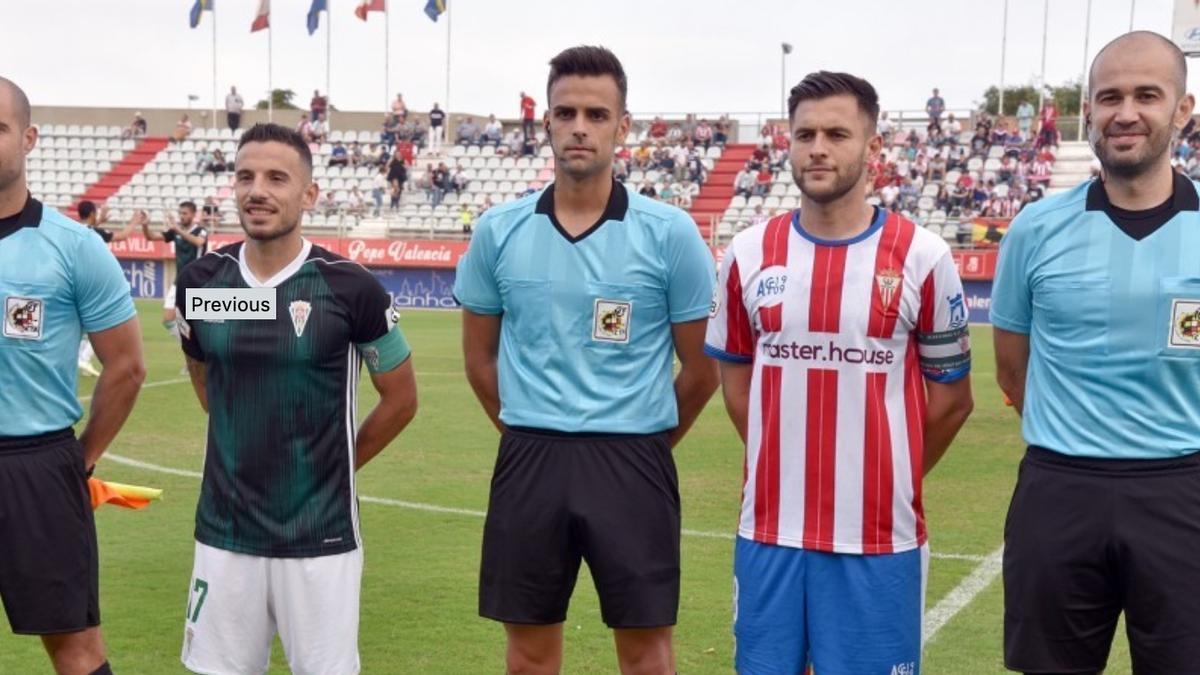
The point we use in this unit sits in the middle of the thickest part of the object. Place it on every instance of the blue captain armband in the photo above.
(386, 353)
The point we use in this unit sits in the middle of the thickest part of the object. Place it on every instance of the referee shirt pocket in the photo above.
(527, 309)
(1178, 318)
(1075, 314)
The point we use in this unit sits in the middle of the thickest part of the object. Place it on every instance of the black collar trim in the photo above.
(616, 209)
(1183, 196)
(30, 216)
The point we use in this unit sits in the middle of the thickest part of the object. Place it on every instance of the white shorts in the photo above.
(169, 300)
(237, 603)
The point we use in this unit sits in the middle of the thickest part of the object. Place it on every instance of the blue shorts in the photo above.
(844, 614)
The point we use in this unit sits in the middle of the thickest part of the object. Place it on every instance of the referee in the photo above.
(576, 299)
(1097, 314)
(57, 279)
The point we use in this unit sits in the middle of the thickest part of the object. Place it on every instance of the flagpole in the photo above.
(448, 15)
(1045, 31)
(1087, 27)
(328, 59)
(387, 82)
(1003, 52)
(270, 81)
(213, 121)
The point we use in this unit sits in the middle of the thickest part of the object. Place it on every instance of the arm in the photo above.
(481, 346)
(735, 387)
(199, 380)
(697, 378)
(396, 408)
(1012, 361)
(120, 351)
(947, 408)
(193, 239)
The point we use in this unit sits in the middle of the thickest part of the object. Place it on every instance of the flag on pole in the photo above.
(369, 6)
(314, 15)
(435, 8)
(119, 494)
(263, 18)
(200, 6)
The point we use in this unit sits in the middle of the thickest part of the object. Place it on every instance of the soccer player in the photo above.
(842, 337)
(575, 301)
(191, 241)
(1096, 310)
(278, 548)
(57, 280)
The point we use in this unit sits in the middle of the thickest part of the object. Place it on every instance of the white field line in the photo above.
(961, 595)
(435, 508)
(161, 383)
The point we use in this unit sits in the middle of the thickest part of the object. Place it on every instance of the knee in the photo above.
(77, 653)
(526, 662)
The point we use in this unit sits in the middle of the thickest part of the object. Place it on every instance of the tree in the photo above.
(1066, 98)
(281, 100)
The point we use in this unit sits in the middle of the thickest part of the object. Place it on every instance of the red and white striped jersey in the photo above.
(840, 335)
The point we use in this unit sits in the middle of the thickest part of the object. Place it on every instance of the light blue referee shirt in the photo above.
(57, 280)
(1113, 325)
(585, 339)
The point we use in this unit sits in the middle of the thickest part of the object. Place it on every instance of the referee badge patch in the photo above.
(23, 318)
(610, 320)
(1185, 324)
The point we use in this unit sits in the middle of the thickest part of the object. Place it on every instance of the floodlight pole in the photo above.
(1083, 78)
(1003, 53)
(1045, 31)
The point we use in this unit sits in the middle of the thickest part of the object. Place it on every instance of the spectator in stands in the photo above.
(356, 154)
(763, 180)
(696, 173)
(884, 127)
(513, 143)
(647, 190)
(909, 193)
(203, 157)
(528, 112)
(1025, 119)
(467, 132)
(937, 169)
(743, 182)
(318, 105)
(415, 132)
(405, 151)
(492, 132)
(437, 127)
(687, 192)
(641, 156)
(721, 131)
(136, 128)
(218, 163)
(889, 195)
(304, 128)
(760, 157)
(327, 203)
(953, 127)
(319, 129)
(658, 129)
(465, 218)
(339, 156)
(399, 109)
(703, 135)
(668, 193)
(935, 106)
(441, 183)
(529, 147)
(1006, 170)
(760, 216)
(1048, 127)
(356, 203)
(233, 109)
(390, 130)
(675, 134)
(1039, 173)
(397, 176)
(397, 190)
(381, 156)
(460, 180)
(620, 170)
(379, 186)
(183, 129)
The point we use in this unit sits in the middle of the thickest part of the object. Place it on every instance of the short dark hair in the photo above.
(189, 204)
(823, 84)
(588, 60)
(274, 133)
(20, 101)
(86, 209)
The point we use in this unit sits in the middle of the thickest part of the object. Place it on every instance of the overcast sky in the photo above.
(704, 55)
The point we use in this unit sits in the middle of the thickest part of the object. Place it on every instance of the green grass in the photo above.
(419, 586)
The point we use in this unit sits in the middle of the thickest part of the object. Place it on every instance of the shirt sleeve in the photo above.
(101, 291)
(730, 336)
(1012, 302)
(475, 284)
(375, 329)
(943, 341)
(168, 236)
(189, 340)
(690, 284)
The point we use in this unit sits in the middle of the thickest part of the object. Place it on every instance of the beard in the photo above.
(1131, 165)
(844, 182)
(283, 230)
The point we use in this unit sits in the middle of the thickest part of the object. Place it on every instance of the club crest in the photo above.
(888, 282)
(299, 310)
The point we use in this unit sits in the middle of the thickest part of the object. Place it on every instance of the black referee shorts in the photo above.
(557, 499)
(49, 569)
(1088, 538)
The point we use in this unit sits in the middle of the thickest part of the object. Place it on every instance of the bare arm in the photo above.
(199, 380)
(120, 351)
(697, 378)
(481, 347)
(396, 408)
(1012, 361)
(946, 410)
(735, 387)
(194, 240)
